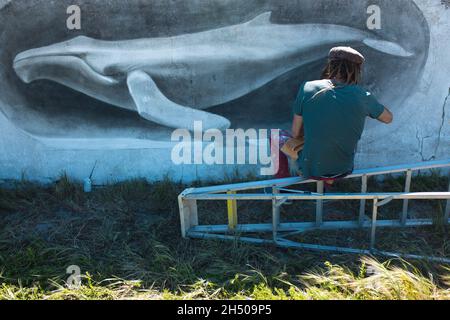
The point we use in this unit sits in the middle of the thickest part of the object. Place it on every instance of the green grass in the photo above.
(126, 239)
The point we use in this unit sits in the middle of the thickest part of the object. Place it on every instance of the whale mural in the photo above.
(113, 92)
(227, 63)
(238, 67)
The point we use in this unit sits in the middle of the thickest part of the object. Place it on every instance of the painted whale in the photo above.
(205, 69)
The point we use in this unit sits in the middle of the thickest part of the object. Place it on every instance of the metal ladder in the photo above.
(190, 227)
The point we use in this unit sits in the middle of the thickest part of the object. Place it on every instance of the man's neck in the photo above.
(338, 80)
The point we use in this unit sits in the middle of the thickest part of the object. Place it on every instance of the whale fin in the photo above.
(153, 105)
(262, 19)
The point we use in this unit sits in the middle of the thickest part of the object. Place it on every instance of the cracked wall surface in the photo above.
(445, 122)
(47, 129)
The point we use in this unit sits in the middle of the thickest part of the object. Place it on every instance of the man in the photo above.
(330, 114)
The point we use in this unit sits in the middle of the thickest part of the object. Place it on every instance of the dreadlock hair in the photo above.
(344, 70)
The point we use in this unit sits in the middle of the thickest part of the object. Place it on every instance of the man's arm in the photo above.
(386, 117)
(297, 127)
(376, 110)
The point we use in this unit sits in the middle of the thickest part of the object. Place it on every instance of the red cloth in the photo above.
(282, 159)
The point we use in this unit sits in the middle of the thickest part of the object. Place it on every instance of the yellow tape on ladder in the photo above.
(232, 212)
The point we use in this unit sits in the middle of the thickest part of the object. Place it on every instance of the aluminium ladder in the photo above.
(190, 227)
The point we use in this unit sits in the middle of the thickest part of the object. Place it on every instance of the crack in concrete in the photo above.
(421, 140)
(441, 128)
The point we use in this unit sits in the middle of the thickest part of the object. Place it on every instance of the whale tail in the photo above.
(387, 47)
(384, 46)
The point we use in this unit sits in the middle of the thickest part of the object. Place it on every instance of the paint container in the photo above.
(87, 185)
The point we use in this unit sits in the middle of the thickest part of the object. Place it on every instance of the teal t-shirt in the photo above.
(334, 122)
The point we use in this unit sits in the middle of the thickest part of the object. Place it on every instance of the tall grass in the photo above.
(375, 281)
(126, 240)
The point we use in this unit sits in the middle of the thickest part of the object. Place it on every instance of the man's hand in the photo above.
(386, 117)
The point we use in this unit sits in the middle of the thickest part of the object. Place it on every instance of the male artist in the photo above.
(329, 115)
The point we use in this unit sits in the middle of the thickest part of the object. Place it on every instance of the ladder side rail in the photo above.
(188, 214)
(447, 208)
(298, 180)
(404, 214)
(327, 196)
(362, 205)
(319, 203)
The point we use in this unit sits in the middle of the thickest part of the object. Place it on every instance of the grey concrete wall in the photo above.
(47, 128)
